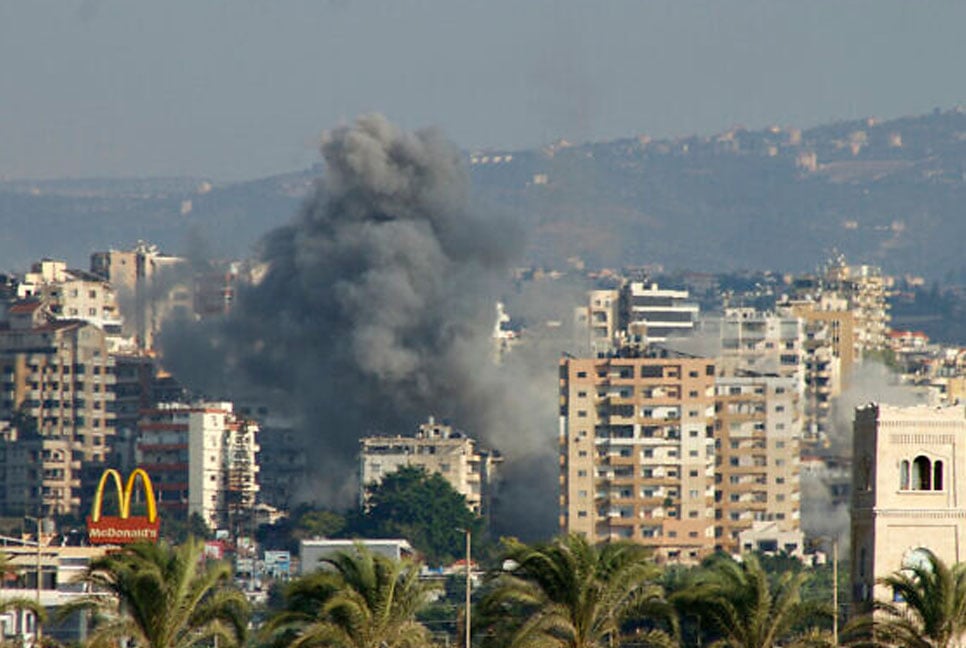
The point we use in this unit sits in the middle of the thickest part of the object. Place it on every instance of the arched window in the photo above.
(921, 473)
(937, 476)
(904, 475)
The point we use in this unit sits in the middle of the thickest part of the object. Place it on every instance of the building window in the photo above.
(921, 473)
(904, 475)
(937, 476)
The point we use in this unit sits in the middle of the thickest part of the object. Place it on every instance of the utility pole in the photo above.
(469, 584)
(37, 630)
(835, 591)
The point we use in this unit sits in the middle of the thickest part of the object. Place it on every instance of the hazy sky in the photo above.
(235, 88)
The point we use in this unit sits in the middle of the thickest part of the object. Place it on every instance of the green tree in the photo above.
(932, 613)
(365, 600)
(571, 594)
(421, 507)
(743, 607)
(163, 596)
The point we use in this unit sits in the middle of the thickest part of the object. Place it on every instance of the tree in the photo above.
(737, 601)
(163, 596)
(421, 507)
(570, 594)
(365, 600)
(932, 611)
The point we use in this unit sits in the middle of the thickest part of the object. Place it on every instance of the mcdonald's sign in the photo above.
(122, 528)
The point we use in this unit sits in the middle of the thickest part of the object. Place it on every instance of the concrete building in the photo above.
(653, 314)
(758, 430)
(906, 494)
(150, 285)
(828, 358)
(313, 551)
(866, 289)
(599, 322)
(70, 294)
(37, 474)
(203, 459)
(637, 451)
(438, 448)
(56, 382)
(766, 343)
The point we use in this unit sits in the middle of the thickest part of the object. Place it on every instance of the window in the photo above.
(693, 473)
(582, 374)
(904, 475)
(921, 473)
(937, 478)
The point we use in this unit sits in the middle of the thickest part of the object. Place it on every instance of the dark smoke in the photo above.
(375, 311)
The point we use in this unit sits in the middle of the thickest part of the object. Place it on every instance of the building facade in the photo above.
(758, 428)
(437, 448)
(56, 389)
(203, 459)
(906, 496)
(637, 451)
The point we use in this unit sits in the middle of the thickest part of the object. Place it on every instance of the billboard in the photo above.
(123, 528)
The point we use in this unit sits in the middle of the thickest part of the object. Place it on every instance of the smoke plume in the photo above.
(376, 310)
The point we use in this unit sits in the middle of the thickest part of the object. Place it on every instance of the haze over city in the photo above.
(511, 325)
(96, 88)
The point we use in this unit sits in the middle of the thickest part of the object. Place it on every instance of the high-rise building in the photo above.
(437, 448)
(203, 459)
(757, 433)
(148, 282)
(767, 343)
(56, 382)
(637, 450)
(906, 495)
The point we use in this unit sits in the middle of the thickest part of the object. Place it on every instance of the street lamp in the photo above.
(469, 586)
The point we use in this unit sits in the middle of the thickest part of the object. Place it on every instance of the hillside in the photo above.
(888, 192)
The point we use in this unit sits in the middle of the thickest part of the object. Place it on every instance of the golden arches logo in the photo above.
(122, 528)
(124, 494)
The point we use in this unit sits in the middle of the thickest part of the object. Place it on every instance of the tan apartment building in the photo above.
(757, 436)
(906, 495)
(637, 451)
(150, 286)
(56, 383)
(437, 448)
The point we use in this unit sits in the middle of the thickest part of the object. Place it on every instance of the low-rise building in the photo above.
(437, 448)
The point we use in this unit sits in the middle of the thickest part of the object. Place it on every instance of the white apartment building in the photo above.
(202, 459)
(71, 294)
(654, 314)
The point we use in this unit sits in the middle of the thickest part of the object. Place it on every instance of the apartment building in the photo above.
(906, 495)
(152, 285)
(637, 450)
(866, 289)
(72, 294)
(56, 383)
(653, 314)
(761, 342)
(202, 459)
(757, 436)
(437, 448)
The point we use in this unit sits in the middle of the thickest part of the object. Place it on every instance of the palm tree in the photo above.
(162, 596)
(362, 600)
(736, 601)
(571, 594)
(932, 611)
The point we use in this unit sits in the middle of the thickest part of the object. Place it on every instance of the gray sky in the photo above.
(235, 89)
